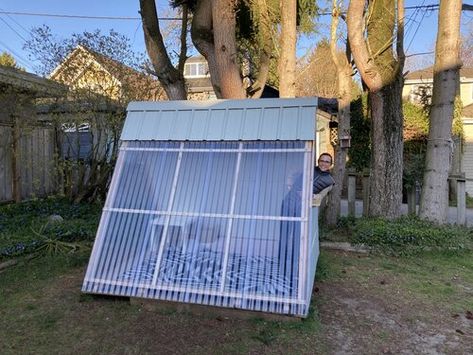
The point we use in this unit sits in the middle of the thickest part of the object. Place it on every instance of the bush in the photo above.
(410, 235)
(24, 227)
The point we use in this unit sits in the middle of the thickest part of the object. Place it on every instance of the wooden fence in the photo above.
(27, 166)
(459, 180)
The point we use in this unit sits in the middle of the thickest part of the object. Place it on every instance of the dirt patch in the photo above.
(373, 315)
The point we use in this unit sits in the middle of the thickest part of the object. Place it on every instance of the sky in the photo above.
(421, 25)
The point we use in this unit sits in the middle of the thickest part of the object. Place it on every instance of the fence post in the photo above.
(351, 192)
(366, 191)
(461, 199)
(411, 201)
(15, 159)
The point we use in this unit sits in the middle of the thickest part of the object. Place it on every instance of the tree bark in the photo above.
(203, 39)
(264, 26)
(287, 56)
(434, 197)
(224, 25)
(382, 74)
(344, 72)
(170, 78)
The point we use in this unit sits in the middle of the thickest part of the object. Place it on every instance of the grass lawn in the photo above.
(362, 303)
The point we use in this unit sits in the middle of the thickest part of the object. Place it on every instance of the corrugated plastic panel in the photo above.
(217, 223)
(264, 119)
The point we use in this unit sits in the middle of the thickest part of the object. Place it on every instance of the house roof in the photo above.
(125, 75)
(268, 119)
(468, 111)
(196, 59)
(428, 73)
(199, 84)
(29, 83)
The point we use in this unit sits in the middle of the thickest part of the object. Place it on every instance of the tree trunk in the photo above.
(264, 26)
(434, 197)
(344, 72)
(202, 37)
(170, 78)
(385, 195)
(287, 55)
(224, 25)
(382, 74)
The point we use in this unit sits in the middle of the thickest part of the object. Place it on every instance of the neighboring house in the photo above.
(100, 87)
(420, 82)
(88, 70)
(197, 76)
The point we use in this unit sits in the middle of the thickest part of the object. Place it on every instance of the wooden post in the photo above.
(351, 192)
(461, 200)
(411, 201)
(15, 161)
(366, 191)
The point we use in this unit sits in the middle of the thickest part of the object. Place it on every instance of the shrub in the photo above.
(24, 227)
(410, 235)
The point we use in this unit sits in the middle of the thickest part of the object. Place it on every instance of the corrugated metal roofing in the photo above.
(264, 119)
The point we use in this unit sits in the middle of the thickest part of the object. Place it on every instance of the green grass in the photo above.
(437, 278)
(43, 311)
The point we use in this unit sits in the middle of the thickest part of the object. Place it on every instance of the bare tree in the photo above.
(467, 47)
(344, 73)
(287, 54)
(381, 71)
(434, 198)
(317, 74)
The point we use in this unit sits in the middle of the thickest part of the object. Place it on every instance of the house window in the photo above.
(196, 70)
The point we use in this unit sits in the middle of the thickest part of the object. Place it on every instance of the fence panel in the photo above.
(35, 161)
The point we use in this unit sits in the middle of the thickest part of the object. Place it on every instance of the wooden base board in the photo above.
(208, 311)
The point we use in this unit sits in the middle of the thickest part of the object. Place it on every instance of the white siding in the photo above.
(467, 159)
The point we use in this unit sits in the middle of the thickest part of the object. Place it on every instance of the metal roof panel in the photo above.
(263, 119)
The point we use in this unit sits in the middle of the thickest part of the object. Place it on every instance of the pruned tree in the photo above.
(344, 95)
(434, 197)
(380, 68)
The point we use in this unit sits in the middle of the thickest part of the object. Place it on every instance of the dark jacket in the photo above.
(322, 179)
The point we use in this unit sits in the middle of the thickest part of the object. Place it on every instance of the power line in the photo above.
(15, 21)
(465, 7)
(126, 18)
(11, 28)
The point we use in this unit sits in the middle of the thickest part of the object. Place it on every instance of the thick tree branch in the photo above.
(183, 37)
(366, 67)
(202, 37)
(170, 78)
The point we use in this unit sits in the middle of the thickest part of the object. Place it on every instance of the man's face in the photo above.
(324, 162)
